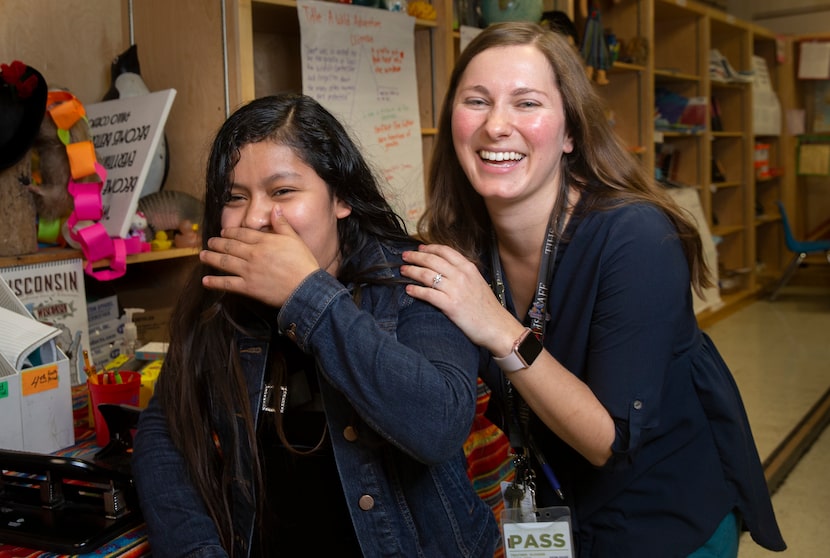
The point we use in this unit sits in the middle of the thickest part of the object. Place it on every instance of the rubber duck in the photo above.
(160, 242)
(188, 235)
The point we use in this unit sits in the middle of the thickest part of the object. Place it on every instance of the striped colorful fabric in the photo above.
(489, 460)
(131, 544)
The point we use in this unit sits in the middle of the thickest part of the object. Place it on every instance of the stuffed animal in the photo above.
(594, 49)
(139, 226)
(126, 81)
(51, 195)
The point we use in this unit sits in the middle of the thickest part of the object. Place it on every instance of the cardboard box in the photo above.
(36, 407)
(105, 340)
(153, 324)
(149, 375)
(35, 382)
(155, 350)
(102, 310)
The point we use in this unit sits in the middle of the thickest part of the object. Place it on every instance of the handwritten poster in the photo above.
(126, 132)
(359, 63)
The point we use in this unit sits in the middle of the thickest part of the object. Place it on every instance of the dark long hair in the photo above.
(599, 166)
(202, 388)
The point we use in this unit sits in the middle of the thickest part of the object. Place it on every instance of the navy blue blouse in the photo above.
(621, 319)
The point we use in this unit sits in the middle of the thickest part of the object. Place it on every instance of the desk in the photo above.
(131, 544)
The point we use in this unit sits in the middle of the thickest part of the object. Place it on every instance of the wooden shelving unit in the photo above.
(810, 206)
(51, 254)
(681, 34)
(770, 253)
(234, 50)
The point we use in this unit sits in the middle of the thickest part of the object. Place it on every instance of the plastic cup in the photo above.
(124, 393)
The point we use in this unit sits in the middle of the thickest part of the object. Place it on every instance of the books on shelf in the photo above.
(155, 350)
(126, 133)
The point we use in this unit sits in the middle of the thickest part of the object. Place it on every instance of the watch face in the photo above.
(529, 348)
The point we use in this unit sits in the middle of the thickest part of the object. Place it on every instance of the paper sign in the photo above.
(54, 293)
(126, 133)
(40, 379)
(359, 63)
(538, 540)
(814, 62)
(814, 159)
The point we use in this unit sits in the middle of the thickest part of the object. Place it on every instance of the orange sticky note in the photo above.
(40, 379)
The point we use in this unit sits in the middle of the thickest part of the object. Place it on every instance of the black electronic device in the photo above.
(63, 504)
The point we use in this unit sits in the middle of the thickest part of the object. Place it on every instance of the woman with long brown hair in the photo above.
(562, 258)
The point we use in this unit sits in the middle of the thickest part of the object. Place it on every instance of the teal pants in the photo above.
(724, 541)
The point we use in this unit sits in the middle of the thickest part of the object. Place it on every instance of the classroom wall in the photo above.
(70, 42)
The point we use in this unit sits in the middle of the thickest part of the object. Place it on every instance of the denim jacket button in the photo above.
(366, 502)
(350, 434)
(291, 332)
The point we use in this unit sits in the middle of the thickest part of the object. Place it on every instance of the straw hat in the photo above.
(22, 106)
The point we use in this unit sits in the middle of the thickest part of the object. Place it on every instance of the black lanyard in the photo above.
(537, 314)
(518, 411)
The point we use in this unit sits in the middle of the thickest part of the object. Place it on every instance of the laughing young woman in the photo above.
(307, 405)
(556, 252)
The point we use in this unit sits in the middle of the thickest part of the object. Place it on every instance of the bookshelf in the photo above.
(716, 159)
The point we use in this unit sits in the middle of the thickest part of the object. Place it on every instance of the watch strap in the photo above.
(514, 361)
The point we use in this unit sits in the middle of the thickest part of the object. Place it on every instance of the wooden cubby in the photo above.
(809, 205)
(771, 255)
(630, 94)
(680, 35)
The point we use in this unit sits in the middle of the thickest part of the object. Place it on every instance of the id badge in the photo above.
(545, 533)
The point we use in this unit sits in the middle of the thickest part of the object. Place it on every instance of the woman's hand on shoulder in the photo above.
(453, 284)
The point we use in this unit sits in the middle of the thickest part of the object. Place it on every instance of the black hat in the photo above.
(22, 106)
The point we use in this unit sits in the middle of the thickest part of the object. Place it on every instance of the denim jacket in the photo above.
(398, 382)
